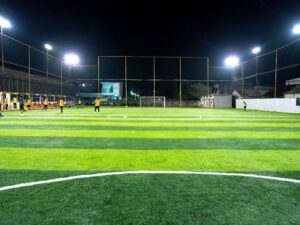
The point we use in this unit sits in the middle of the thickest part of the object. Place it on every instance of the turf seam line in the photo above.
(87, 176)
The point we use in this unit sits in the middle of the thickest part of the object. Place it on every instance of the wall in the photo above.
(287, 105)
(223, 101)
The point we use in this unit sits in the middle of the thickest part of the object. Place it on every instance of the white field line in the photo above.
(86, 176)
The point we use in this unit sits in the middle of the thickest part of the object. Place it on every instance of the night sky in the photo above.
(165, 27)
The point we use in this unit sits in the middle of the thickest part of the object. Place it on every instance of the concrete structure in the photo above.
(287, 105)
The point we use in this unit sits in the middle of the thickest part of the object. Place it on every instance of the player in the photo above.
(61, 104)
(245, 105)
(22, 105)
(79, 104)
(1, 108)
(45, 103)
(15, 102)
(28, 103)
(6, 103)
(97, 105)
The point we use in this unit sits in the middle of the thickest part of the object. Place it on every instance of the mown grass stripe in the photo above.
(114, 159)
(153, 123)
(131, 117)
(150, 134)
(149, 128)
(153, 143)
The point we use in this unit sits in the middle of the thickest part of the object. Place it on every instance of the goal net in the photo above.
(157, 101)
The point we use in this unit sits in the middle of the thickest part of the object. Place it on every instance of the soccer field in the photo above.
(40, 145)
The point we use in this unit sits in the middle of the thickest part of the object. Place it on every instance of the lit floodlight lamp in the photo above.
(4, 23)
(296, 29)
(232, 61)
(48, 47)
(83, 85)
(71, 59)
(256, 50)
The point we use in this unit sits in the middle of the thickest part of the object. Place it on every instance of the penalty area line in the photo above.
(87, 176)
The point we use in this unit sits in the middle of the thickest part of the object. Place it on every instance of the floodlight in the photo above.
(4, 23)
(296, 29)
(71, 59)
(83, 85)
(232, 61)
(48, 47)
(256, 50)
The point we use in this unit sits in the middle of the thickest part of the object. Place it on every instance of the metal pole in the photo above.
(207, 75)
(242, 80)
(2, 57)
(256, 80)
(29, 72)
(154, 75)
(180, 87)
(126, 95)
(9, 83)
(23, 85)
(47, 87)
(17, 84)
(61, 78)
(2, 50)
(98, 75)
(276, 73)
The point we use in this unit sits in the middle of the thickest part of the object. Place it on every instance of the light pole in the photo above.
(4, 23)
(256, 51)
(70, 59)
(48, 48)
(232, 62)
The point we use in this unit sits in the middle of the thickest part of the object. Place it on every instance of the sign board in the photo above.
(297, 101)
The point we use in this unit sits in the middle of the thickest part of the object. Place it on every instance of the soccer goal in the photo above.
(157, 101)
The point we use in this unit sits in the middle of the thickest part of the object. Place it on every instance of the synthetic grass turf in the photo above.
(149, 134)
(154, 199)
(123, 160)
(42, 145)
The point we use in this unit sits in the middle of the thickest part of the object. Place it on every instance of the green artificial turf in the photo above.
(43, 145)
(154, 199)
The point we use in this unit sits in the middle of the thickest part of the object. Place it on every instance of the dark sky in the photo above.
(165, 27)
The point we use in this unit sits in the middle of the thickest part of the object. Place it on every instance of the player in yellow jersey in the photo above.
(1, 108)
(97, 105)
(28, 103)
(6, 104)
(79, 104)
(61, 104)
(45, 103)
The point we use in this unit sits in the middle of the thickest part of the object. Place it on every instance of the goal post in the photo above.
(153, 101)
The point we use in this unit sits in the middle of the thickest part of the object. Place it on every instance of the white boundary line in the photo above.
(86, 176)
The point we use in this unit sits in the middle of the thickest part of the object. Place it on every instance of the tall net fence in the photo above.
(28, 71)
(182, 80)
(268, 75)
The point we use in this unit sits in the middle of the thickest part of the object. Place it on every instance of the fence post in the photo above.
(180, 85)
(126, 94)
(276, 71)
(154, 74)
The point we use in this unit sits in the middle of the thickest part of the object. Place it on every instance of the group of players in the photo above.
(26, 105)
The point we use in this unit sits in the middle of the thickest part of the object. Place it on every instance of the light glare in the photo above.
(71, 59)
(48, 47)
(296, 29)
(232, 61)
(256, 50)
(4, 23)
